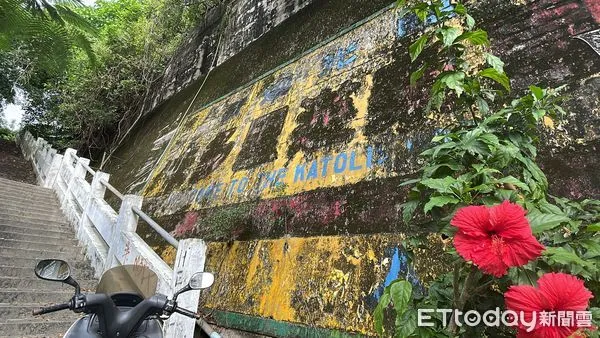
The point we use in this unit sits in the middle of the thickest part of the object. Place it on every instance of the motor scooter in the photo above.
(125, 303)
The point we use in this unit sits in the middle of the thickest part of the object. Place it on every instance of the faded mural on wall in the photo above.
(300, 170)
(312, 124)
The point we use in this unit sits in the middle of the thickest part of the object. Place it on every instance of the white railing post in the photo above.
(65, 166)
(53, 170)
(97, 191)
(191, 256)
(86, 232)
(126, 222)
(78, 173)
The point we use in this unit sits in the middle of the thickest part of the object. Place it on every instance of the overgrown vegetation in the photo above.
(6, 132)
(95, 89)
(485, 156)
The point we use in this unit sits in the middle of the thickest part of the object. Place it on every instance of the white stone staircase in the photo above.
(32, 227)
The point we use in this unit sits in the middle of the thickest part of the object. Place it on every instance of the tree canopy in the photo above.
(86, 69)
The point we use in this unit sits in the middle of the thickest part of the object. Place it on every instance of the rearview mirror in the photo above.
(53, 269)
(201, 280)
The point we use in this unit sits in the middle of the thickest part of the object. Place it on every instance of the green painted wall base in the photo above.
(272, 327)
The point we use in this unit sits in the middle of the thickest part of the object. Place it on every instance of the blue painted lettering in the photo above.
(340, 166)
(299, 173)
(312, 172)
(353, 165)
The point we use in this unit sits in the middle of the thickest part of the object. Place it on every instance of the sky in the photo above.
(13, 111)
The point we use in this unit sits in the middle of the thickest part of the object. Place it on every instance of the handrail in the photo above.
(88, 168)
(112, 189)
(162, 232)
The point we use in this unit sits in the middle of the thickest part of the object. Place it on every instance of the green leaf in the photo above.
(537, 92)
(495, 75)
(400, 3)
(495, 62)
(411, 181)
(408, 210)
(416, 75)
(384, 301)
(406, 324)
(439, 201)
(482, 105)
(435, 151)
(476, 37)
(562, 256)
(460, 9)
(441, 185)
(421, 10)
(428, 171)
(449, 35)
(400, 292)
(542, 222)
(473, 144)
(454, 81)
(514, 181)
(593, 227)
(417, 47)
(470, 21)
(592, 248)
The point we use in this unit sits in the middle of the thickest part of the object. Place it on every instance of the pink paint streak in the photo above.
(187, 226)
(594, 9)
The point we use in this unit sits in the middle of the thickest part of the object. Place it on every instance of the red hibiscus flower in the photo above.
(495, 238)
(556, 292)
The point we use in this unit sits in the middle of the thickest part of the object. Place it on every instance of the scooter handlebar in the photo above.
(187, 313)
(52, 308)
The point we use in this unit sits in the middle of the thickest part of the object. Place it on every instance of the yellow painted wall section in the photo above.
(327, 282)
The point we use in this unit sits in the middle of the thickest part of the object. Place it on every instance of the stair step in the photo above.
(27, 193)
(16, 283)
(15, 185)
(32, 209)
(5, 181)
(24, 311)
(66, 246)
(24, 222)
(38, 231)
(35, 296)
(26, 200)
(48, 239)
(64, 228)
(34, 219)
(20, 327)
(40, 254)
(79, 268)
(78, 271)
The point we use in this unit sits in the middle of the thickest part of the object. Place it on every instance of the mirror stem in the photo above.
(74, 284)
(184, 289)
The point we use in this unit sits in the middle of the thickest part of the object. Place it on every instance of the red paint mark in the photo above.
(127, 249)
(552, 13)
(298, 209)
(187, 226)
(594, 9)
(326, 118)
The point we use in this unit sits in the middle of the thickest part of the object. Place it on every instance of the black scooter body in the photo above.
(89, 326)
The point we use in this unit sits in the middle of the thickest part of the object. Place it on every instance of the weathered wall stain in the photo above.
(299, 171)
(325, 121)
(321, 281)
(263, 134)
